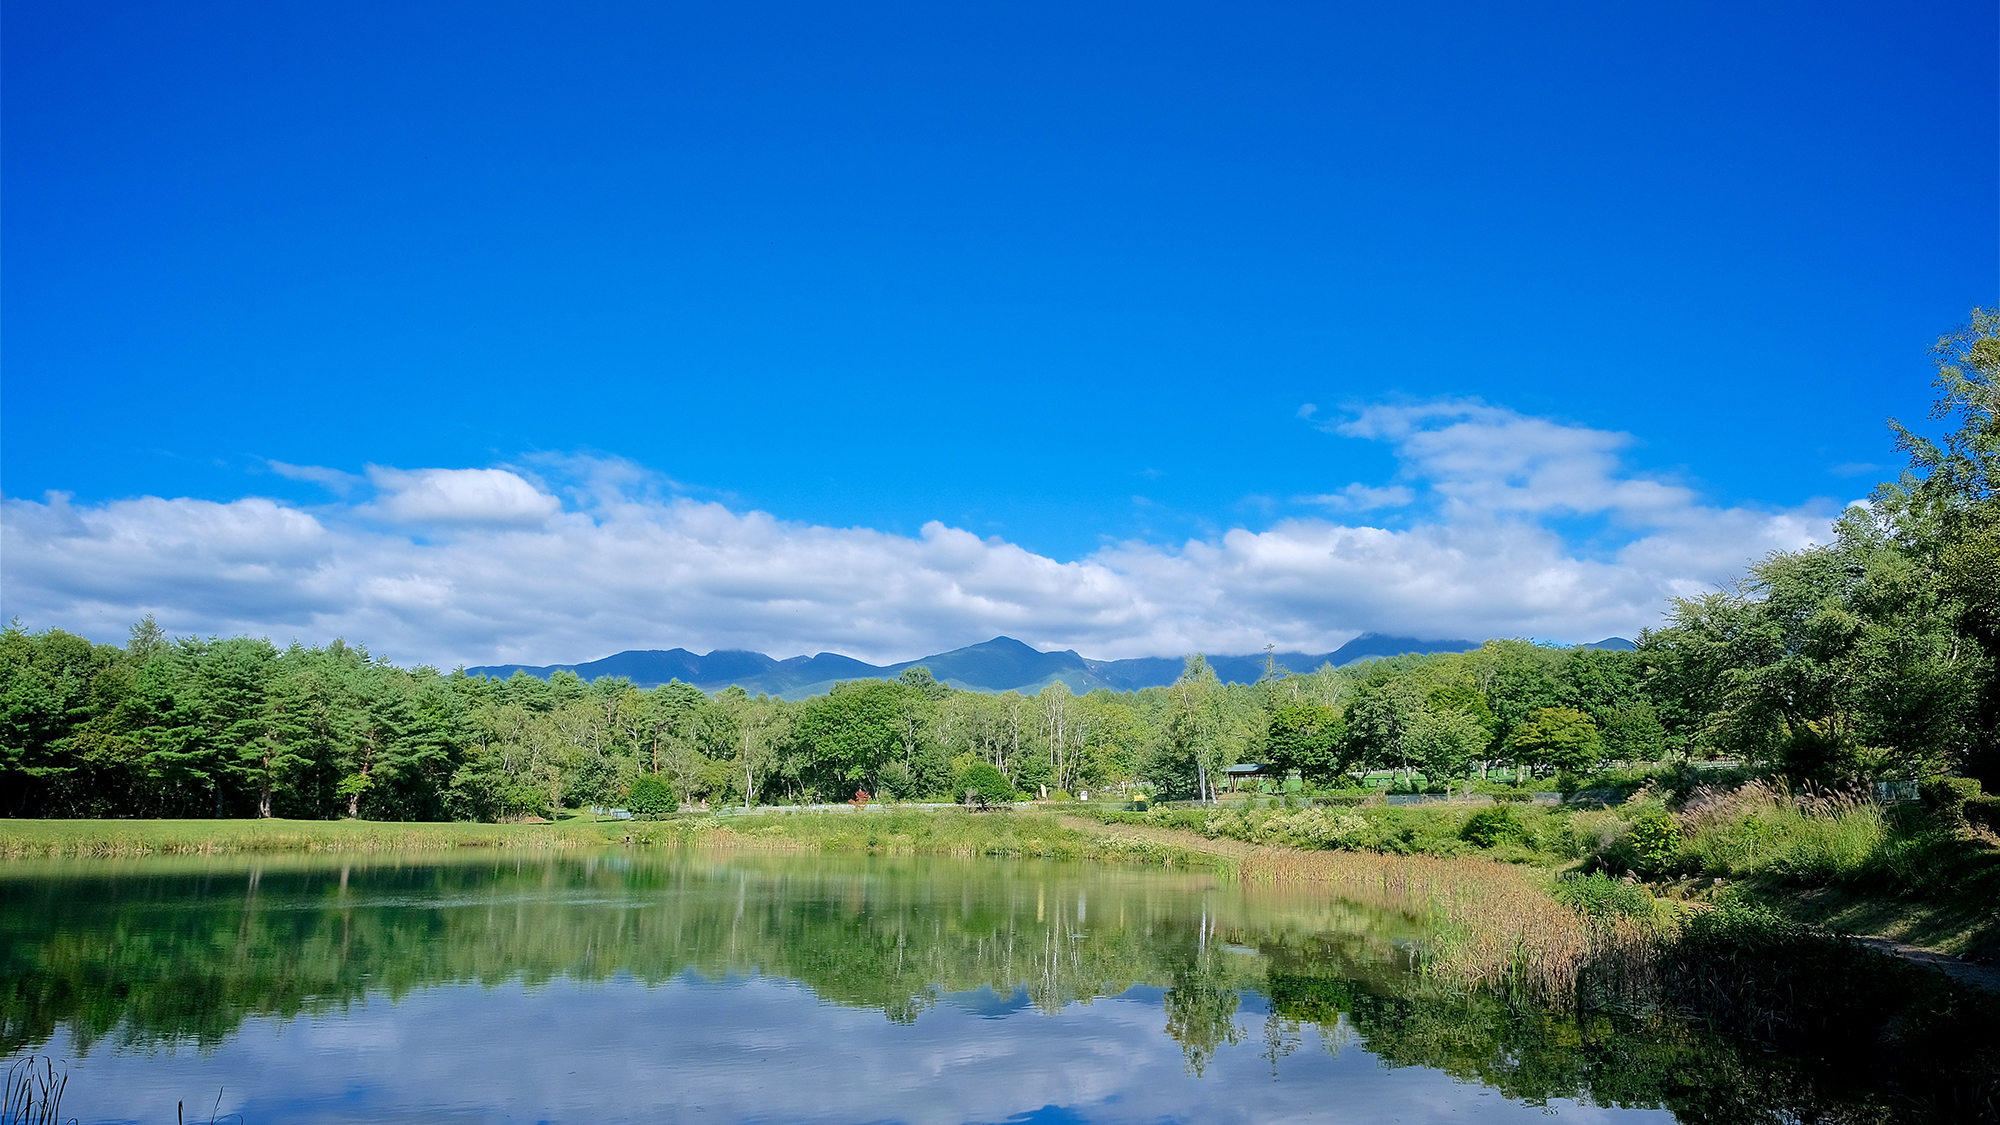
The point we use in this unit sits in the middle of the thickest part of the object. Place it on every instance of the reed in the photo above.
(33, 1093)
(1495, 924)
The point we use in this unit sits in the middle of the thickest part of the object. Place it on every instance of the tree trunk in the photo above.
(264, 797)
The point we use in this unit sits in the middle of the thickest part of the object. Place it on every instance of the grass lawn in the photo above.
(896, 831)
(57, 838)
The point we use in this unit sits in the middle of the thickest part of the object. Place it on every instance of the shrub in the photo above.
(1306, 828)
(986, 785)
(1492, 827)
(1948, 796)
(1655, 840)
(525, 800)
(651, 796)
(1603, 899)
(896, 782)
(1984, 812)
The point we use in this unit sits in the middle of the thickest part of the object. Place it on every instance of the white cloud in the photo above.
(459, 496)
(1481, 458)
(333, 480)
(1362, 498)
(483, 566)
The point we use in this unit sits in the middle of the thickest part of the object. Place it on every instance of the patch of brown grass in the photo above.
(1496, 922)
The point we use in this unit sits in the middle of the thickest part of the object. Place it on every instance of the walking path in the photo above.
(1957, 968)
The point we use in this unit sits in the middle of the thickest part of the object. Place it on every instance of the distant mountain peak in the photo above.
(998, 664)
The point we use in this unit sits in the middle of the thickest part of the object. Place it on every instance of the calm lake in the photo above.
(665, 986)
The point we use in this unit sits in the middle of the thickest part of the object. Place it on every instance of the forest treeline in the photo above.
(1869, 658)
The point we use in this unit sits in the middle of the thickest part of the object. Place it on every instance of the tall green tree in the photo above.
(1309, 737)
(1193, 739)
(1558, 738)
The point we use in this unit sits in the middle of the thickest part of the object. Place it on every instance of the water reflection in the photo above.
(670, 987)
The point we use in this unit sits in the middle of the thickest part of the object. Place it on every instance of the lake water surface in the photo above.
(663, 986)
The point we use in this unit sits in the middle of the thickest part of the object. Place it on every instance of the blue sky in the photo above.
(1064, 275)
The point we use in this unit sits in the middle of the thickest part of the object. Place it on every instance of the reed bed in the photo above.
(1496, 924)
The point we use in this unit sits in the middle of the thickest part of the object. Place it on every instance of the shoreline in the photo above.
(1538, 939)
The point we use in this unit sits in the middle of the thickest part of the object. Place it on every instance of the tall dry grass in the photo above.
(1761, 828)
(1496, 924)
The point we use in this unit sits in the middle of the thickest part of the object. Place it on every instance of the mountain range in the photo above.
(1001, 664)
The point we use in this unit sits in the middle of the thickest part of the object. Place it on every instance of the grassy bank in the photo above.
(916, 832)
(1922, 872)
(108, 838)
(909, 832)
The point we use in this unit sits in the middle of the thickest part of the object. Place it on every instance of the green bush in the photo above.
(1948, 797)
(651, 796)
(1655, 841)
(1984, 812)
(985, 784)
(525, 800)
(1602, 898)
(896, 782)
(1492, 827)
(1559, 836)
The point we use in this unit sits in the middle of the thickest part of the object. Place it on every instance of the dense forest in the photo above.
(1869, 658)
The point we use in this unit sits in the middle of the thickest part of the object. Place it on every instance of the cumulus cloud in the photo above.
(1481, 458)
(487, 565)
(459, 496)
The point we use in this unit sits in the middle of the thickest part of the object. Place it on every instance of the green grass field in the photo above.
(911, 832)
(79, 838)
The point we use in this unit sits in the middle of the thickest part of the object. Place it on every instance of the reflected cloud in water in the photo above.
(764, 1050)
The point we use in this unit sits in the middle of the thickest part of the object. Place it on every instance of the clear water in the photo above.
(667, 987)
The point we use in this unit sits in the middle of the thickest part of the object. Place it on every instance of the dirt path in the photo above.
(1957, 968)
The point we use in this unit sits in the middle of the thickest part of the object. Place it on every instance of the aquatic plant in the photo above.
(33, 1092)
(1496, 923)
